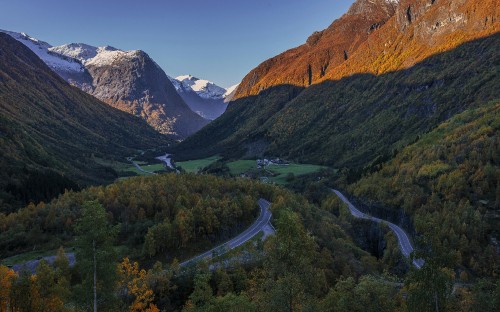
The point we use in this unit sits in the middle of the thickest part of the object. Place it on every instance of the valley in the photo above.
(357, 171)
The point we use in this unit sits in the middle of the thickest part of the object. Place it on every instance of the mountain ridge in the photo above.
(51, 133)
(342, 117)
(128, 80)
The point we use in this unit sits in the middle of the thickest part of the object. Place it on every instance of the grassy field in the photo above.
(280, 172)
(241, 166)
(296, 169)
(193, 166)
(150, 168)
(276, 174)
(118, 166)
(122, 167)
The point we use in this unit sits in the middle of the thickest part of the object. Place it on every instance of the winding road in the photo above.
(263, 224)
(259, 225)
(403, 240)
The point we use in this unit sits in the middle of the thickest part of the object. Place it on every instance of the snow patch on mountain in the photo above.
(54, 60)
(108, 55)
(95, 56)
(177, 84)
(204, 88)
(230, 90)
(79, 51)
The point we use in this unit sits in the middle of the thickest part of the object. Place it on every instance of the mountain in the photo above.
(128, 80)
(376, 78)
(203, 97)
(67, 67)
(52, 135)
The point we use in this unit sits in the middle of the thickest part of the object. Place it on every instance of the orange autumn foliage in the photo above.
(7, 276)
(134, 281)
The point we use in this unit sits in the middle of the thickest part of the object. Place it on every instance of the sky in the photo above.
(218, 40)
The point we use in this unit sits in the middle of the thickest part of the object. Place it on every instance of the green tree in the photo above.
(46, 285)
(62, 274)
(231, 303)
(96, 257)
(202, 293)
(430, 287)
(292, 280)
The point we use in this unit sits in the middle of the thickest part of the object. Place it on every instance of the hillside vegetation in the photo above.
(449, 183)
(403, 80)
(166, 216)
(50, 132)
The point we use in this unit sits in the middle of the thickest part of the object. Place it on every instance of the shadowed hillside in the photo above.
(358, 119)
(51, 132)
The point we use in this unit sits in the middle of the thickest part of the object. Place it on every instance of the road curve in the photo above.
(403, 240)
(261, 222)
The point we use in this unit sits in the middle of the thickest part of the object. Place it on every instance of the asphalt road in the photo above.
(31, 265)
(261, 222)
(403, 240)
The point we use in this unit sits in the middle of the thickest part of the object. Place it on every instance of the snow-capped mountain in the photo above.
(128, 80)
(204, 88)
(95, 56)
(203, 97)
(228, 96)
(55, 61)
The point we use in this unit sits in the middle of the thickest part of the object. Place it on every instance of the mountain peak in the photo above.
(186, 77)
(42, 49)
(366, 7)
(204, 88)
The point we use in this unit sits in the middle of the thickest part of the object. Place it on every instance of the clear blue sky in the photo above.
(219, 40)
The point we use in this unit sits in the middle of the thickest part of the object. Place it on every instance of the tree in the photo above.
(292, 280)
(135, 288)
(7, 277)
(160, 281)
(96, 256)
(62, 274)
(24, 294)
(231, 303)
(202, 293)
(429, 288)
(45, 283)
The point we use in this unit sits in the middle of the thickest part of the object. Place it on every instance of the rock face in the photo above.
(323, 50)
(131, 81)
(128, 80)
(382, 74)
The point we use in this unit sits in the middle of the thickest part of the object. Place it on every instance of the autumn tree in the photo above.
(7, 277)
(134, 287)
(47, 288)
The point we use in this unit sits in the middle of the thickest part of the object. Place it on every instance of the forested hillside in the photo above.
(404, 79)
(50, 132)
(171, 216)
(448, 182)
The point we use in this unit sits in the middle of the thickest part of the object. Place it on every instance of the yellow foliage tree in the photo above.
(7, 277)
(133, 281)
